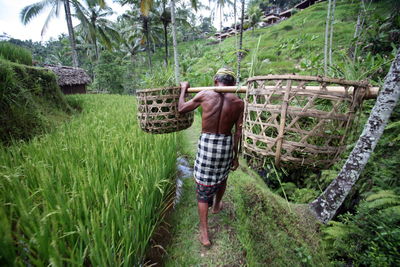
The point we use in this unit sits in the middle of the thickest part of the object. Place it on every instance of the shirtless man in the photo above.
(217, 152)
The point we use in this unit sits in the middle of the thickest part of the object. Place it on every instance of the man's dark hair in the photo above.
(226, 79)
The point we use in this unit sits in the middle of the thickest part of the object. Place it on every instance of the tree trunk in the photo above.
(146, 32)
(236, 35)
(326, 205)
(234, 21)
(177, 78)
(220, 25)
(239, 53)
(326, 39)
(359, 25)
(166, 43)
(71, 33)
(331, 33)
(96, 50)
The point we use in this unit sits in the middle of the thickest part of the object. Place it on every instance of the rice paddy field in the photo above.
(89, 193)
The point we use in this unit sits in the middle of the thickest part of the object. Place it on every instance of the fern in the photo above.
(385, 201)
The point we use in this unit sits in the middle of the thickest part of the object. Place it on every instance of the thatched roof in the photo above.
(69, 75)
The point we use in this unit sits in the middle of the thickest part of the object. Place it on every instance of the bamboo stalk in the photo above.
(372, 92)
(281, 130)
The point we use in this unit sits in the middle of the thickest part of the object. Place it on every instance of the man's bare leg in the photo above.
(218, 196)
(203, 214)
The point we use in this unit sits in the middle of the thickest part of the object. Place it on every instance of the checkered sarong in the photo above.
(213, 159)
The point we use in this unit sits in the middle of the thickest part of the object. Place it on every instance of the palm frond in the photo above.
(31, 11)
(49, 17)
(104, 38)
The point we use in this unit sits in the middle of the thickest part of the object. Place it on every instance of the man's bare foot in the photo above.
(216, 209)
(204, 240)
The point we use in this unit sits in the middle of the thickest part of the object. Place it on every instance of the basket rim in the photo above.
(308, 78)
(156, 89)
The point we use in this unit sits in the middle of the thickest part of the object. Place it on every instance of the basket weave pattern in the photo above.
(296, 121)
(158, 111)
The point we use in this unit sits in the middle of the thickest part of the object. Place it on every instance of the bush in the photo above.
(15, 53)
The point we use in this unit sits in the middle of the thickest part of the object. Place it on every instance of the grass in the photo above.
(89, 193)
(30, 101)
(255, 228)
(15, 53)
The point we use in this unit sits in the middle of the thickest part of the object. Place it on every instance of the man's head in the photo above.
(225, 77)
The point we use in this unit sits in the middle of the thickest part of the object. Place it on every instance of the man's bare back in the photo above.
(221, 111)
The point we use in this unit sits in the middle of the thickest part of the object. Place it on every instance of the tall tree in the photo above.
(221, 4)
(165, 18)
(331, 32)
(326, 205)
(254, 14)
(328, 20)
(194, 4)
(31, 11)
(239, 52)
(175, 42)
(94, 25)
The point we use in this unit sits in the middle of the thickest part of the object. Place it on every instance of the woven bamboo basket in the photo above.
(299, 121)
(158, 111)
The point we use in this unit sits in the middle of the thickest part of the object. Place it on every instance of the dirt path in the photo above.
(184, 248)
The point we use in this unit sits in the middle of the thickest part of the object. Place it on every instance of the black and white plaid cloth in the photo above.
(213, 159)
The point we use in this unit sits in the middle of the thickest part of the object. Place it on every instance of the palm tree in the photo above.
(194, 4)
(94, 26)
(31, 11)
(239, 53)
(254, 13)
(131, 34)
(174, 42)
(163, 15)
(326, 205)
(165, 18)
(221, 4)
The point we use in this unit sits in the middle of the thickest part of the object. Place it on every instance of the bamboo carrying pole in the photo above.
(372, 92)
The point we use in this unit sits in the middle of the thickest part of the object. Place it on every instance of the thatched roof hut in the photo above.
(71, 80)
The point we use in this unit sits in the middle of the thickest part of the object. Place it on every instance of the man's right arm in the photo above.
(237, 137)
(184, 107)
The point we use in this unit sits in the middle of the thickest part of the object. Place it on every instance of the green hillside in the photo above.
(294, 45)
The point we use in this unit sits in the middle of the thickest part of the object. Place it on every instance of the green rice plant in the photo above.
(15, 53)
(89, 193)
